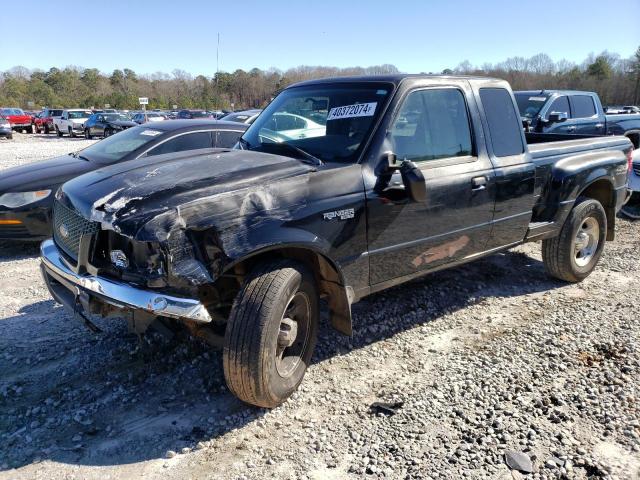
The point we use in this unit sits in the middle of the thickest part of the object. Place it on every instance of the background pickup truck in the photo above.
(17, 119)
(412, 174)
(44, 120)
(71, 121)
(574, 112)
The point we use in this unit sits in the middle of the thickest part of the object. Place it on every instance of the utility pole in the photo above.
(217, 71)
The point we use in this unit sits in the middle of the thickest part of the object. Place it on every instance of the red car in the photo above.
(17, 118)
(44, 120)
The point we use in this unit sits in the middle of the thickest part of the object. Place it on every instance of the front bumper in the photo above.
(67, 287)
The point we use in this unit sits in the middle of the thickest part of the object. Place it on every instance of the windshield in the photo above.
(530, 105)
(328, 122)
(12, 111)
(76, 114)
(112, 117)
(114, 148)
(199, 114)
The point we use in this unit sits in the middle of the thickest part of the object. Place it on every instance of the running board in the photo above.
(540, 230)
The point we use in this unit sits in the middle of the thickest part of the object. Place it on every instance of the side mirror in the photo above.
(557, 117)
(413, 181)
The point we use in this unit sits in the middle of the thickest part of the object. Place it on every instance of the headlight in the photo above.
(18, 199)
(5, 125)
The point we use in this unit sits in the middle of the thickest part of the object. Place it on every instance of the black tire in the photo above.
(10, 137)
(46, 129)
(30, 129)
(87, 135)
(72, 134)
(563, 258)
(107, 132)
(263, 366)
(36, 129)
(631, 209)
(58, 132)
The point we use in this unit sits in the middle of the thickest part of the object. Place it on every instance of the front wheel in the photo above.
(271, 333)
(87, 135)
(631, 209)
(36, 128)
(58, 132)
(46, 129)
(574, 253)
(72, 134)
(108, 132)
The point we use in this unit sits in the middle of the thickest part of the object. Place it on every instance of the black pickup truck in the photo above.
(399, 176)
(572, 112)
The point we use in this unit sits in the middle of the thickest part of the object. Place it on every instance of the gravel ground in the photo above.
(489, 361)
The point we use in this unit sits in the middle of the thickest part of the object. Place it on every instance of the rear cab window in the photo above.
(582, 106)
(503, 120)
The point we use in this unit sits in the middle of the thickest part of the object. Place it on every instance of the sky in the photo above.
(416, 36)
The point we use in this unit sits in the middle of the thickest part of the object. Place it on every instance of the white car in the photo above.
(149, 117)
(292, 126)
(71, 121)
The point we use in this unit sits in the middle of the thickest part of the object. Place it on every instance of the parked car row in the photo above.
(26, 192)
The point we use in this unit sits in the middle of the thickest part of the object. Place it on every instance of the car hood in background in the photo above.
(44, 174)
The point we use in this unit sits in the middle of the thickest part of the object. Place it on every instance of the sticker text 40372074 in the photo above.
(351, 111)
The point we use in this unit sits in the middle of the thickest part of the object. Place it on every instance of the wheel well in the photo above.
(602, 191)
(328, 278)
(634, 136)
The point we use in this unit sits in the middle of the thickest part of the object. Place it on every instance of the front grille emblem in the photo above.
(64, 231)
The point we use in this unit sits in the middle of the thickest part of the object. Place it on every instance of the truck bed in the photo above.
(547, 145)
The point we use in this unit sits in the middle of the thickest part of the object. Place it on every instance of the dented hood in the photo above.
(149, 197)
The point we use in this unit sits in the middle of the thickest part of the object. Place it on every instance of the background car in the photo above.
(17, 118)
(71, 121)
(5, 128)
(187, 114)
(106, 124)
(244, 116)
(26, 192)
(43, 121)
(141, 118)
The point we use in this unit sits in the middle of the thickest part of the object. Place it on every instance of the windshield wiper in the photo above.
(286, 146)
(81, 157)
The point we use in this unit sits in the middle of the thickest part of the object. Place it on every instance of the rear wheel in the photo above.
(108, 132)
(29, 129)
(36, 128)
(46, 129)
(271, 333)
(574, 253)
(631, 209)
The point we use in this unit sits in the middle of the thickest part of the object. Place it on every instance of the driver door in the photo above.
(432, 128)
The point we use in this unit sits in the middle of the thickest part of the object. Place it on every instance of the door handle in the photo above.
(599, 125)
(571, 129)
(478, 184)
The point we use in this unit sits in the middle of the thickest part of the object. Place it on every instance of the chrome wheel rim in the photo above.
(293, 335)
(585, 243)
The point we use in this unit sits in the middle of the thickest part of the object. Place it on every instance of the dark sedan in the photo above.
(5, 128)
(26, 192)
(106, 124)
(194, 114)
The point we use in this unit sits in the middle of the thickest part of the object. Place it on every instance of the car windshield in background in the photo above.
(328, 122)
(112, 117)
(115, 147)
(55, 113)
(85, 114)
(530, 105)
(199, 114)
(12, 111)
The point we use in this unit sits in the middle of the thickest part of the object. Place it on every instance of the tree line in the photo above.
(615, 79)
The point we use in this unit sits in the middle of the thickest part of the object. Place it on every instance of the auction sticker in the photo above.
(351, 111)
(150, 133)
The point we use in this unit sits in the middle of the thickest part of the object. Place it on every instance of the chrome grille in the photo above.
(69, 227)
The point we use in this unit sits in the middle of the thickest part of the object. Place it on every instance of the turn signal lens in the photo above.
(10, 222)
